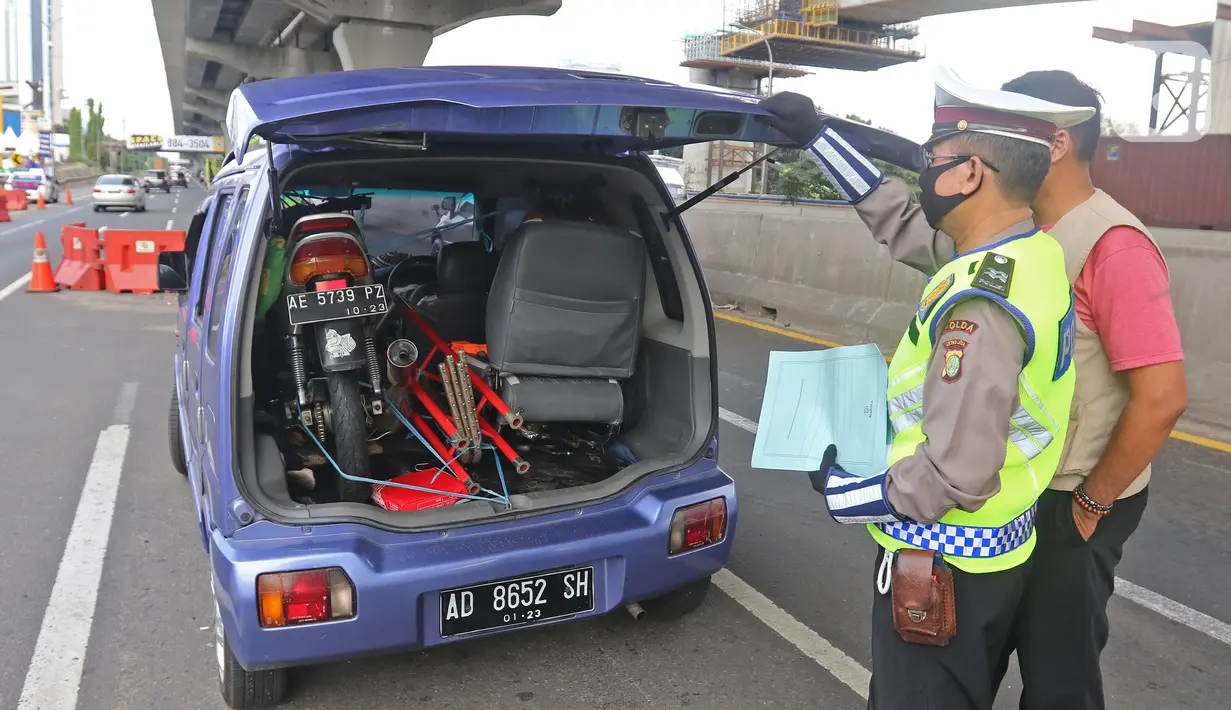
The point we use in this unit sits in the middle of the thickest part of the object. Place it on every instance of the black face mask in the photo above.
(935, 207)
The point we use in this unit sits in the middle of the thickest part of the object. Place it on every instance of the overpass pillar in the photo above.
(373, 34)
(361, 44)
(1220, 71)
(707, 163)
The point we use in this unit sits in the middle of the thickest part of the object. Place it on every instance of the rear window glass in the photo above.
(154, 173)
(408, 221)
(114, 180)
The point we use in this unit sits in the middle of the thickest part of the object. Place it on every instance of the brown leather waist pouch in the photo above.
(922, 598)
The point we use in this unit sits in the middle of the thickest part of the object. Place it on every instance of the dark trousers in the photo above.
(960, 676)
(1061, 626)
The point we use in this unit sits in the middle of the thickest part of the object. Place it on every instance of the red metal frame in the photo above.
(446, 423)
(520, 465)
(513, 419)
(445, 454)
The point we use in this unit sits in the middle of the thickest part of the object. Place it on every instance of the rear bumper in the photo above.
(397, 576)
(103, 200)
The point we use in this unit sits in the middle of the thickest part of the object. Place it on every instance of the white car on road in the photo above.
(34, 183)
(118, 191)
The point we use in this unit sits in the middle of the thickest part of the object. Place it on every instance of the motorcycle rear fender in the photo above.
(339, 344)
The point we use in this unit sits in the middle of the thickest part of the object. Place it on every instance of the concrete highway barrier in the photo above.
(815, 266)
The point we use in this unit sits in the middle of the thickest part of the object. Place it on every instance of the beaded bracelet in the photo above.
(1091, 505)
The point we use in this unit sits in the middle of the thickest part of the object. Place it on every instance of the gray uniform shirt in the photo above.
(966, 413)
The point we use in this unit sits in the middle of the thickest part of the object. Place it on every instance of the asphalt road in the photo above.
(788, 631)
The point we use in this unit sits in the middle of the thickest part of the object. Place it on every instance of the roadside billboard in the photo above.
(181, 144)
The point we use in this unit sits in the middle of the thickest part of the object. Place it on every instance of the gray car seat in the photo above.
(457, 301)
(564, 319)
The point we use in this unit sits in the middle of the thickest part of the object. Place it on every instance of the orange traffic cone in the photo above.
(41, 205)
(41, 278)
(68, 197)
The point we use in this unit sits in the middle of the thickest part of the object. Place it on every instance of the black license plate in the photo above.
(335, 304)
(516, 602)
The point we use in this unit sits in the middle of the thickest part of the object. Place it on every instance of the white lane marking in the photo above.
(54, 677)
(1174, 610)
(1153, 601)
(13, 287)
(846, 669)
(22, 226)
(26, 225)
(173, 210)
(123, 215)
(742, 422)
(169, 223)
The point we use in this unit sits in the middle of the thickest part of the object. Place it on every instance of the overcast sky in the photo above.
(643, 38)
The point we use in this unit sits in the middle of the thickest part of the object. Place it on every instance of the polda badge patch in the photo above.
(955, 350)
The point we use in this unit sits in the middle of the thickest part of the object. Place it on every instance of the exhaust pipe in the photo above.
(400, 354)
(636, 610)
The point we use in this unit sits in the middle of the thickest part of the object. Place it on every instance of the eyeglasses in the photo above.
(929, 156)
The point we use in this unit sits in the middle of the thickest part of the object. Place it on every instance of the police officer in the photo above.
(978, 388)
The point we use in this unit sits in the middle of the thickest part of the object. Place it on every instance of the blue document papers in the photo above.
(822, 397)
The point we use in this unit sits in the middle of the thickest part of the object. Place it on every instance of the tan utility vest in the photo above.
(1101, 393)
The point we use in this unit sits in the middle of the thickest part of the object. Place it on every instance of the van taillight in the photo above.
(697, 526)
(305, 597)
(338, 255)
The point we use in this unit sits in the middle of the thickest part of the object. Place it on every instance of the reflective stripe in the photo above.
(909, 399)
(906, 410)
(1027, 434)
(964, 540)
(906, 420)
(909, 374)
(1021, 381)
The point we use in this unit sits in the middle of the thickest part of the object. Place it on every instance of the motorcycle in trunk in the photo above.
(329, 312)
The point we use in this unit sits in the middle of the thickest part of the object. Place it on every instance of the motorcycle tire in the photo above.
(350, 435)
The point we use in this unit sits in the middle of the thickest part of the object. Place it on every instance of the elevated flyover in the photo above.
(210, 46)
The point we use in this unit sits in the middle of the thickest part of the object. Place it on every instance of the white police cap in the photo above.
(962, 108)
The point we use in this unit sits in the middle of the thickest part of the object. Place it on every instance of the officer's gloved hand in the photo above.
(850, 499)
(794, 116)
(848, 170)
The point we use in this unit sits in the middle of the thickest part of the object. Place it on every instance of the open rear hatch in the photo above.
(594, 349)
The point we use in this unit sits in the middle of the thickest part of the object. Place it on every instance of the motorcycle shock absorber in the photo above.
(374, 368)
(299, 369)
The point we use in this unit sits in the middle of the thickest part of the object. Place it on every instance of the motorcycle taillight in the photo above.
(327, 255)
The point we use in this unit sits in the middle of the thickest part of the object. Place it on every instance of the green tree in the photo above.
(93, 130)
(74, 136)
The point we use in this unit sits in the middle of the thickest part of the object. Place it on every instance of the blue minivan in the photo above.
(399, 450)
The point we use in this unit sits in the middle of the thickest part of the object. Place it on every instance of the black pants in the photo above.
(1061, 626)
(960, 676)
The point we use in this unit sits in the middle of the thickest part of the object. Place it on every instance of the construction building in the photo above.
(793, 35)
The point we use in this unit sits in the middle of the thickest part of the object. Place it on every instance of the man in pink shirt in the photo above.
(1130, 393)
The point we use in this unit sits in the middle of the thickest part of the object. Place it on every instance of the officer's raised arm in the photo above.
(884, 204)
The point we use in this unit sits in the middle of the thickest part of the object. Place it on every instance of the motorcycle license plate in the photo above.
(516, 602)
(336, 304)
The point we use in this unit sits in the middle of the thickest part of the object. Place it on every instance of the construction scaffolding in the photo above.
(812, 33)
(704, 51)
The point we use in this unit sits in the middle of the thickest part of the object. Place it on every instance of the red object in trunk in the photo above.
(394, 498)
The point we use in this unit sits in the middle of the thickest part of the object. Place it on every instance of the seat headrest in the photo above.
(463, 267)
